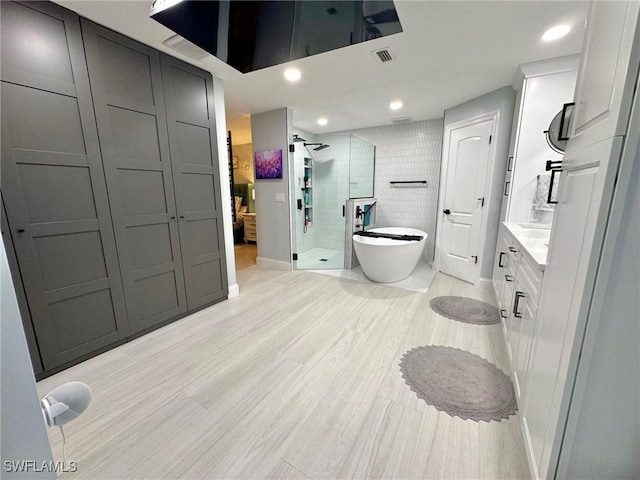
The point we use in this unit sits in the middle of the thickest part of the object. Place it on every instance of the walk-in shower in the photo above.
(328, 170)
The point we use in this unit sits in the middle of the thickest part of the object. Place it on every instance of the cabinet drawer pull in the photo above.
(503, 313)
(513, 249)
(500, 260)
(510, 164)
(506, 189)
(508, 278)
(516, 304)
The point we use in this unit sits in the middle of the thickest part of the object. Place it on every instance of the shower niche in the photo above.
(307, 192)
(327, 171)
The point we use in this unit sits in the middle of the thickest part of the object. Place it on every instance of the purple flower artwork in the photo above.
(268, 164)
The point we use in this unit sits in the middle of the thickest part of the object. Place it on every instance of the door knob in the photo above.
(446, 211)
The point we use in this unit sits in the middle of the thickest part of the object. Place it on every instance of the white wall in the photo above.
(227, 219)
(502, 100)
(272, 131)
(23, 433)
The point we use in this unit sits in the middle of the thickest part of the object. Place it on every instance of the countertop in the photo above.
(533, 239)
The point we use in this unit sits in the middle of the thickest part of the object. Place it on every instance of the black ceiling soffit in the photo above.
(250, 35)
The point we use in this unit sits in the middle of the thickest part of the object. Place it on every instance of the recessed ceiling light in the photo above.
(395, 105)
(322, 121)
(292, 74)
(554, 33)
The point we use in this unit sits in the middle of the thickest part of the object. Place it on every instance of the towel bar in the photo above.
(412, 183)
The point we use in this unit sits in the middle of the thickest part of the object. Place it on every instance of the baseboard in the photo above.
(234, 290)
(485, 283)
(271, 264)
(533, 468)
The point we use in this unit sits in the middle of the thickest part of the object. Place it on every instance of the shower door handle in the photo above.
(446, 211)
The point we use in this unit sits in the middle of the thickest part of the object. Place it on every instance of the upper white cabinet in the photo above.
(543, 88)
(604, 93)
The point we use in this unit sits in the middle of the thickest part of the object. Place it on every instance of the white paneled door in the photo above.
(464, 198)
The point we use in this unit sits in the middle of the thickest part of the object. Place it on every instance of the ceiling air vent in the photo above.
(402, 120)
(185, 47)
(384, 55)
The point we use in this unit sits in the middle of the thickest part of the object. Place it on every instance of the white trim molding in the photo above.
(234, 290)
(270, 264)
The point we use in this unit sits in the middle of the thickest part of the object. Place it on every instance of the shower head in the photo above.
(320, 146)
(297, 138)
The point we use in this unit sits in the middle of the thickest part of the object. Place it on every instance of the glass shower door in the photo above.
(326, 173)
(320, 188)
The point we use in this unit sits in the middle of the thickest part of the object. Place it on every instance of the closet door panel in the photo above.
(54, 188)
(189, 101)
(193, 143)
(70, 259)
(58, 123)
(25, 29)
(126, 84)
(18, 285)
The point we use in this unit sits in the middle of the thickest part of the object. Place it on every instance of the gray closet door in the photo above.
(188, 94)
(53, 185)
(21, 296)
(127, 93)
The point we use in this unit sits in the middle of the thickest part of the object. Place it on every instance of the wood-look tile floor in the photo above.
(246, 254)
(296, 378)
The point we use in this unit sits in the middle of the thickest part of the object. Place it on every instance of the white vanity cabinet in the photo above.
(525, 310)
(573, 328)
(517, 279)
(543, 88)
(504, 272)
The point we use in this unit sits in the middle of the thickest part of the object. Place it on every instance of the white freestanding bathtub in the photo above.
(386, 260)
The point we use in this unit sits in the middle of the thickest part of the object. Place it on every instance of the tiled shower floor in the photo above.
(320, 258)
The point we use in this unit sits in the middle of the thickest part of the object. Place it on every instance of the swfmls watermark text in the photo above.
(32, 466)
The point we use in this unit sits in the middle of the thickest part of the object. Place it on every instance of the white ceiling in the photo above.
(449, 52)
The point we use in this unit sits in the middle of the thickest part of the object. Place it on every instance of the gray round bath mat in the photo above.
(465, 310)
(459, 383)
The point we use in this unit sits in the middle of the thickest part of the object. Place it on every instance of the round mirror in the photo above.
(554, 132)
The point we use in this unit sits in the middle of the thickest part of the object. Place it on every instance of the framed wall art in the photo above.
(268, 164)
